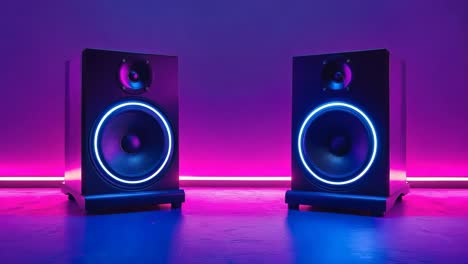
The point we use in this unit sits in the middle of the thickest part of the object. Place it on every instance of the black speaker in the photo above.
(348, 131)
(121, 130)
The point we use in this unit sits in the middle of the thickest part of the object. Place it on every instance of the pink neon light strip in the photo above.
(22, 178)
(431, 179)
(240, 178)
(234, 178)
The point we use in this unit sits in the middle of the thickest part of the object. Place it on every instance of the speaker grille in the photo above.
(337, 143)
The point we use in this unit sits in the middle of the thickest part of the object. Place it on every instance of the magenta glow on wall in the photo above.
(235, 74)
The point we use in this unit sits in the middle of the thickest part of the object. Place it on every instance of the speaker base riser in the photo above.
(376, 205)
(125, 201)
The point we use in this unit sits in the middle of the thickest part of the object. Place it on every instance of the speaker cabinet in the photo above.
(121, 129)
(348, 131)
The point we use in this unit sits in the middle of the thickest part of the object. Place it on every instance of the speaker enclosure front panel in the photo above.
(373, 85)
(95, 86)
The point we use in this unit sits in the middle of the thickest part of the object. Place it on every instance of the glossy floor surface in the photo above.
(233, 226)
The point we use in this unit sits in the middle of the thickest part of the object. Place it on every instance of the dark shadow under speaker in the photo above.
(122, 131)
(348, 131)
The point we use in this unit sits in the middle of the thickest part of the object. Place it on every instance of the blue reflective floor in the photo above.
(233, 226)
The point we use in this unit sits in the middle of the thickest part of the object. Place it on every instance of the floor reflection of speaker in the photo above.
(348, 128)
(343, 238)
(121, 130)
(148, 237)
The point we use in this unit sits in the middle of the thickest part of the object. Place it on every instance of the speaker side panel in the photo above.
(73, 110)
(303, 101)
(397, 124)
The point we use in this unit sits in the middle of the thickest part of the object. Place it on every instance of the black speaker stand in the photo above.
(376, 205)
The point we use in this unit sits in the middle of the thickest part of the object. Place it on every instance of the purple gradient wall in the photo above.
(235, 74)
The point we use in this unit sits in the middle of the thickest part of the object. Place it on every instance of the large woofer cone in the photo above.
(132, 143)
(337, 143)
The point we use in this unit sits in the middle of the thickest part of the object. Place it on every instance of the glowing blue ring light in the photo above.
(316, 112)
(166, 127)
